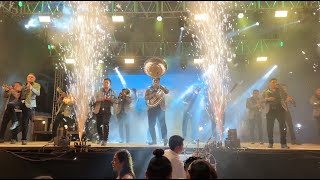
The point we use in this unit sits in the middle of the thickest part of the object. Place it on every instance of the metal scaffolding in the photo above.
(58, 82)
(147, 8)
(132, 49)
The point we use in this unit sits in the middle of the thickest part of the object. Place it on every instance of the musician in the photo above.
(315, 102)
(288, 118)
(157, 112)
(274, 98)
(187, 114)
(105, 98)
(66, 114)
(254, 106)
(13, 102)
(124, 101)
(28, 102)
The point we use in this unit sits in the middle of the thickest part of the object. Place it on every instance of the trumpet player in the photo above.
(315, 102)
(189, 102)
(123, 107)
(288, 118)
(65, 113)
(13, 102)
(156, 111)
(254, 106)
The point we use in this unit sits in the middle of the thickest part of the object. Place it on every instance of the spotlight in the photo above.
(100, 62)
(298, 125)
(182, 28)
(240, 15)
(159, 18)
(257, 23)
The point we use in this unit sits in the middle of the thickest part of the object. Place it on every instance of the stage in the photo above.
(94, 161)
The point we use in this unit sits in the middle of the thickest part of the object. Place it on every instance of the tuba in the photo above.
(155, 68)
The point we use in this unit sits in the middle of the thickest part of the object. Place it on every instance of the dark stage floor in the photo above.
(250, 161)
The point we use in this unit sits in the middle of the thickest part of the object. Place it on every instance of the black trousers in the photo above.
(289, 124)
(187, 116)
(256, 121)
(26, 117)
(154, 114)
(278, 114)
(61, 119)
(8, 115)
(123, 122)
(103, 120)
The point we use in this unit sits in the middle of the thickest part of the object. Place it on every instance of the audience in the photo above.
(159, 166)
(122, 164)
(188, 161)
(43, 177)
(176, 147)
(201, 169)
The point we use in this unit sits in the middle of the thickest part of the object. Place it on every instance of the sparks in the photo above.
(87, 41)
(213, 44)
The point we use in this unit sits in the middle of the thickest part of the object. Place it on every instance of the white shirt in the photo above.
(177, 165)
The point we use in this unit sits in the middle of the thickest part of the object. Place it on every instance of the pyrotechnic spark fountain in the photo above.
(87, 42)
(213, 45)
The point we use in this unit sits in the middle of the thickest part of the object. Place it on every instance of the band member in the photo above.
(288, 118)
(276, 108)
(105, 98)
(156, 112)
(13, 102)
(254, 106)
(187, 114)
(315, 102)
(123, 107)
(28, 102)
(65, 114)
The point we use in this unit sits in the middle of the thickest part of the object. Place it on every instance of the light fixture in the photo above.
(197, 61)
(159, 18)
(44, 19)
(117, 19)
(129, 61)
(70, 61)
(240, 15)
(262, 58)
(201, 17)
(281, 14)
(100, 62)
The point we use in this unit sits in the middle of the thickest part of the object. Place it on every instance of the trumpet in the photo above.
(59, 90)
(6, 87)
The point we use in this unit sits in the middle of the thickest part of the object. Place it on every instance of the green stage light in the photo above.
(281, 43)
(49, 46)
(20, 3)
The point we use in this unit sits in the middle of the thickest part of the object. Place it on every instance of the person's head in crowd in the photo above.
(122, 163)
(176, 143)
(201, 169)
(43, 177)
(159, 166)
(188, 161)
